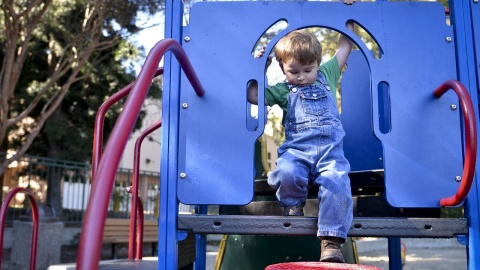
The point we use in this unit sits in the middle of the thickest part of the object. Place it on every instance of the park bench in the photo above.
(117, 231)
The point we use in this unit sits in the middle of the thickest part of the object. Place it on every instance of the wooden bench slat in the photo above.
(117, 230)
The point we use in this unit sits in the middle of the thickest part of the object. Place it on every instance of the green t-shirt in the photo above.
(278, 94)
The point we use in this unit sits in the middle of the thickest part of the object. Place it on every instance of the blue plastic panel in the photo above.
(362, 148)
(422, 150)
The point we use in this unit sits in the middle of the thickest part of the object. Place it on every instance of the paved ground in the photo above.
(422, 254)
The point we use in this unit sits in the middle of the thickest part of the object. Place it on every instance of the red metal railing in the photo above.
(136, 198)
(99, 118)
(3, 214)
(470, 140)
(97, 153)
(139, 234)
(95, 215)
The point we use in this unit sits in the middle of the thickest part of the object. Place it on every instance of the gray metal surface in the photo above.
(129, 264)
(278, 225)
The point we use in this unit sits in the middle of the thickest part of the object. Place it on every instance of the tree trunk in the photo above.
(54, 175)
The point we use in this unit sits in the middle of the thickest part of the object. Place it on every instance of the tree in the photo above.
(60, 44)
(62, 60)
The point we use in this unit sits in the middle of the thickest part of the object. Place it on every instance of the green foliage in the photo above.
(452, 212)
(68, 133)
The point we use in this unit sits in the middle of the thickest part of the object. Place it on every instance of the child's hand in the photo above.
(260, 54)
(349, 2)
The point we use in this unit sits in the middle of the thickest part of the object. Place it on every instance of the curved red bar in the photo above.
(98, 128)
(470, 140)
(3, 214)
(135, 197)
(139, 240)
(94, 222)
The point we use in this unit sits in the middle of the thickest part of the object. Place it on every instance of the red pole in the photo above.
(3, 214)
(135, 197)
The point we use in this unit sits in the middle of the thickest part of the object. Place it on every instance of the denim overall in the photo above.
(313, 151)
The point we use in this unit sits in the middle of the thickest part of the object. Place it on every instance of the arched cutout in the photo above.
(268, 34)
(370, 42)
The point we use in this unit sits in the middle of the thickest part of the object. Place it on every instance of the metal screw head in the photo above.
(183, 175)
(458, 178)
(453, 107)
(448, 39)
(185, 105)
(187, 39)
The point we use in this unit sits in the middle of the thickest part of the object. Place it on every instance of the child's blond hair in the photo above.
(300, 45)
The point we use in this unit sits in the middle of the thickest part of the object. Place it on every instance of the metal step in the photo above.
(361, 227)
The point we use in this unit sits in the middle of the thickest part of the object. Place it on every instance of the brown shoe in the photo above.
(331, 250)
(296, 210)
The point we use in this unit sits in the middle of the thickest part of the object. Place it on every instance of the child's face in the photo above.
(299, 74)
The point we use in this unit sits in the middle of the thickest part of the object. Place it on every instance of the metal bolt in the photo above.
(475, 1)
(185, 105)
(187, 39)
(287, 258)
(458, 178)
(300, 258)
(448, 39)
(183, 175)
(453, 107)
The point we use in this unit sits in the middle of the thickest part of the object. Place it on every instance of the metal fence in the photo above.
(73, 179)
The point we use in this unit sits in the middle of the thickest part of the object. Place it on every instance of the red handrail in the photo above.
(470, 141)
(134, 191)
(94, 221)
(3, 214)
(139, 243)
(98, 143)
(102, 111)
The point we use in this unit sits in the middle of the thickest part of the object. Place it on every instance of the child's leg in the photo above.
(291, 180)
(334, 218)
(335, 213)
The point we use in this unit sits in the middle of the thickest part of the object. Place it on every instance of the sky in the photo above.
(153, 33)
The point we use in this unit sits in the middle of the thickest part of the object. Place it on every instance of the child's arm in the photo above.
(345, 45)
(252, 92)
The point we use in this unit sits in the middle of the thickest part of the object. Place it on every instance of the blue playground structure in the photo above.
(408, 137)
(404, 130)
